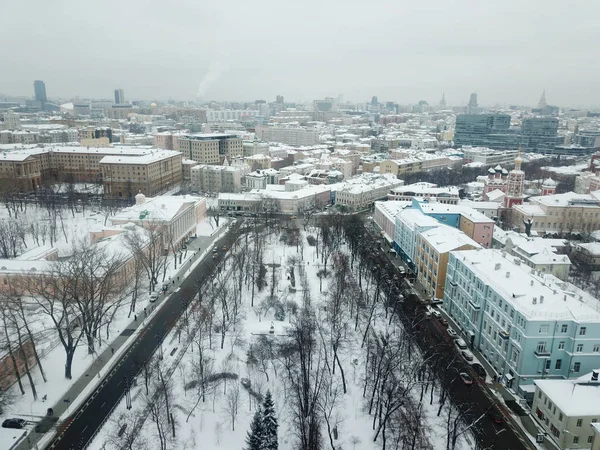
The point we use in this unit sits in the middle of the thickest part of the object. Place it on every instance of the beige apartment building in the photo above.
(432, 248)
(209, 148)
(560, 213)
(153, 173)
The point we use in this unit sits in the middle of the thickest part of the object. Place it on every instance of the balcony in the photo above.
(541, 353)
(504, 334)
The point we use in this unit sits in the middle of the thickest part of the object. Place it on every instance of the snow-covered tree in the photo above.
(254, 438)
(269, 424)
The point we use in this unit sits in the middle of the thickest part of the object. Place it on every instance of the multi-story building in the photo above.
(119, 96)
(223, 115)
(209, 148)
(488, 156)
(425, 191)
(287, 135)
(588, 254)
(210, 178)
(560, 213)
(385, 217)
(177, 215)
(527, 326)
(408, 224)
(567, 410)
(153, 173)
(432, 249)
(12, 121)
(485, 130)
(361, 192)
(539, 134)
(39, 88)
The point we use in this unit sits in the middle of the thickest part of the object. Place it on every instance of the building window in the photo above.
(590, 439)
(579, 422)
(560, 417)
(576, 367)
(582, 331)
(558, 364)
(596, 348)
(548, 364)
(563, 328)
(579, 348)
(575, 439)
(561, 345)
(544, 329)
(541, 347)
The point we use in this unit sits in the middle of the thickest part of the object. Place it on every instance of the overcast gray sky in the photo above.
(404, 51)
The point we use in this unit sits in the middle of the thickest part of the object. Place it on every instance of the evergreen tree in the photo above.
(254, 438)
(269, 424)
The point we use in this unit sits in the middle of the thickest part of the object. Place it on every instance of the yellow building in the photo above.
(432, 248)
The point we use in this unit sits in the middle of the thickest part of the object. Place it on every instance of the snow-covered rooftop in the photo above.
(579, 397)
(534, 296)
(163, 208)
(444, 238)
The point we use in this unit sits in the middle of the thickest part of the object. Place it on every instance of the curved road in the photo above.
(78, 430)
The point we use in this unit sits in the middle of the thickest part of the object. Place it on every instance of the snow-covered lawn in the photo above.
(221, 419)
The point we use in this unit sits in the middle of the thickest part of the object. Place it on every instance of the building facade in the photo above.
(527, 326)
(287, 135)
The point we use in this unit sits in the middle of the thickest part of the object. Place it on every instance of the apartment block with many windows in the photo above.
(528, 326)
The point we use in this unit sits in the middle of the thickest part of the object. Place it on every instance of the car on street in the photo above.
(224, 248)
(436, 301)
(461, 344)
(466, 378)
(14, 423)
(479, 370)
(496, 415)
(444, 322)
(452, 333)
(436, 314)
(153, 297)
(467, 355)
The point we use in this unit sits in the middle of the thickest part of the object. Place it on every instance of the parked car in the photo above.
(496, 415)
(165, 287)
(153, 297)
(466, 378)
(444, 322)
(436, 301)
(215, 250)
(467, 355)
(224, 248)
(452, 333)
(479, 370)
(461, 344)
(14, 423)
(436, 314)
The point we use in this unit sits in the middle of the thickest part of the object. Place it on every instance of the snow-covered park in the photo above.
(297, 313)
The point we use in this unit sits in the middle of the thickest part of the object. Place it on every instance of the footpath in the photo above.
(70, 401)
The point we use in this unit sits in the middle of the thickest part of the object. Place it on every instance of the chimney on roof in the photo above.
(530, 282)
(595, 374)
(507, 274)
(497, 266)
(534, 301)
(565, 297)
(541, 299)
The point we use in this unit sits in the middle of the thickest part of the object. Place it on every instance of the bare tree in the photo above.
(148, 247)
(125, 433)
(232, 404)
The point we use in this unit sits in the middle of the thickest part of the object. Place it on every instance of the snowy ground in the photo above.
(51, 351)
(211, 424)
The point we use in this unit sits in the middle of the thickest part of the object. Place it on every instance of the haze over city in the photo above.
(402, 51)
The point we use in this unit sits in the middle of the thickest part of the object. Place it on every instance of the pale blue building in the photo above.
(527, 325)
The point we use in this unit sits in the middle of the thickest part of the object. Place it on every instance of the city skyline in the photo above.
(310, 51)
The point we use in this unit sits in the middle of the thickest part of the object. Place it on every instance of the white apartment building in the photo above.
(211, 178)
(287, 135)
(426, 191)
(223, 115)
(567, 409)
(361, 192)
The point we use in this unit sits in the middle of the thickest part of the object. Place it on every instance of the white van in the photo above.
(461, 344)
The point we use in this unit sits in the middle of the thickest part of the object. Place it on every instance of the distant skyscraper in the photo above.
(40, 91)
(279, 99)
(443, 100)
(374, 101)
(472, 105)
(542, 103)
(119, 96)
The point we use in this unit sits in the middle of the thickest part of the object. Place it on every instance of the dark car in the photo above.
(444, 322)
(466, 378)
(14, 423)
(479, 370)
(496, 415)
